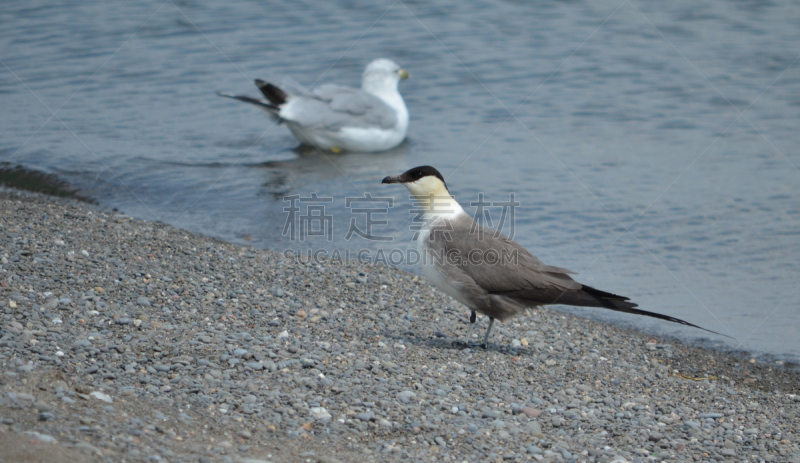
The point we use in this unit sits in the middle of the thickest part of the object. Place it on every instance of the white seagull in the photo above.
(334, 117)
(488, 272)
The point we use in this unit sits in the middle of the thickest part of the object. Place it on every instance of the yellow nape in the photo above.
(336, 150)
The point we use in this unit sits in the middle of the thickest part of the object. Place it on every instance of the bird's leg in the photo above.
(472, 318)
(485, 343)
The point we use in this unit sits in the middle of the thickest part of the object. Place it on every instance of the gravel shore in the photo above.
(125, 340)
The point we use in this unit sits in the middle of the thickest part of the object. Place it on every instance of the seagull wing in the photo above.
(344, 107)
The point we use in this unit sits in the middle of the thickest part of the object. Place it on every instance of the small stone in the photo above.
(244, 434)
(389, 365)
(143, 301)
(534, 450)
(655, 436)
(254, 365)
(88, 448)
(531, 412)
(320, 414)
(101, 396)
(42, 437)
(406, 396)
(307, 362)
(42, 407)
(326, 459)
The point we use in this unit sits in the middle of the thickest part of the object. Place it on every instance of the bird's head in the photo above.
(382, 75)
(426, 184)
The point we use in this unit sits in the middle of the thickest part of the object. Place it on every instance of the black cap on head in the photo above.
(412, 175)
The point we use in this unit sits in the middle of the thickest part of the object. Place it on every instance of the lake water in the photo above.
(651, 146)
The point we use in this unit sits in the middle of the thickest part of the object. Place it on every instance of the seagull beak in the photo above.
(393, 179)
(404, 74)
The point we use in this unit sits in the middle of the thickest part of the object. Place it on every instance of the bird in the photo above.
(488, 272)
(337, 118)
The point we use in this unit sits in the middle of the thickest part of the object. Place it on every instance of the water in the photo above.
(651, 146)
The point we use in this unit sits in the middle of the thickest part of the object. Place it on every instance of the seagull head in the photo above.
(381, 76)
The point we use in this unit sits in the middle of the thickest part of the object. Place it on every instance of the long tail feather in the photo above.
(620, 304)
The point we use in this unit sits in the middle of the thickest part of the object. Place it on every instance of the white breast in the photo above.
(430, 265)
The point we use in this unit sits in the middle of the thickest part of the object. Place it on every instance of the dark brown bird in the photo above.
(487, 271)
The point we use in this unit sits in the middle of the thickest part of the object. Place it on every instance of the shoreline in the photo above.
(194, 339)
(50, 187)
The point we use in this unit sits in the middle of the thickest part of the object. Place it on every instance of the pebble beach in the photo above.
(127, 340)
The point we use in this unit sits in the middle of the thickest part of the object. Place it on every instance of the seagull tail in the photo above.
(620, 304)
(275, 95)
(254, 101)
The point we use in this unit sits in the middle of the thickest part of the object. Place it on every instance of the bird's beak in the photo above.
(404, 74)
(393, 179)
